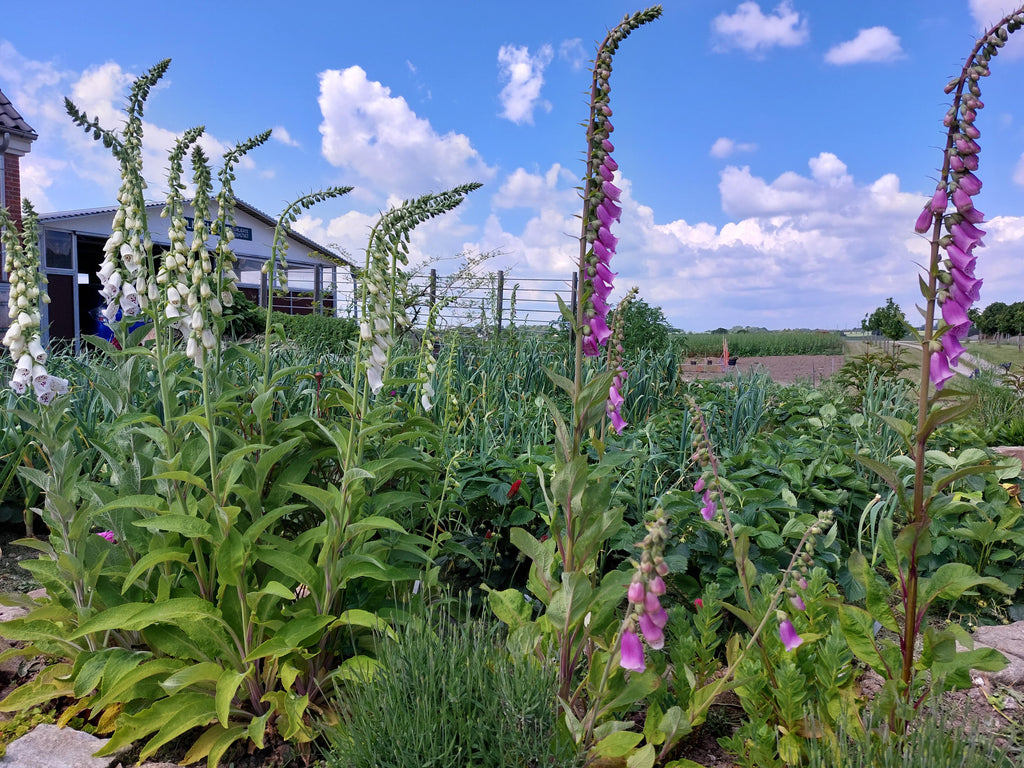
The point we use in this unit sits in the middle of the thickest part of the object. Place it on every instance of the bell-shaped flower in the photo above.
(615, 398)
(618, 423)
(962, 239)
(924, 220)
(709, 509)
(611, 190)
(603, 252)
(971, 286)
(631, 652)
(35, 348)
(952, 347)
(604, 216)
(612, 208)
(609, 163)
(652, 632)
(966, 146)
(600, 328)
(606, 276)
(699, 485)
(605, 236)
(961, 259)
(656, 586)
(606, 173)
(938, 201)
(636, 592)
(962, 200)
(938, 369)
(659, 618)
(373, 376)
(787, 634)
(954, 313)
(970, 183)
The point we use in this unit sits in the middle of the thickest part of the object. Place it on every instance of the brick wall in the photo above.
(12, 187)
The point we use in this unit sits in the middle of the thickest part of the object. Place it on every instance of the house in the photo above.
(71, 249)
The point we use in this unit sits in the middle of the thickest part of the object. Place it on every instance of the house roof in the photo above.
(256, 213)
(12, 122)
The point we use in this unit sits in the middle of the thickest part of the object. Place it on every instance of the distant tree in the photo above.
(888, 321)
(993, 318)
(644, 327)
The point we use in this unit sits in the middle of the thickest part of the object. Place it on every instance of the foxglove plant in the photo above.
(644, 594)
(23, 338)
(173, 274)
(126, 272)
(201, 302)
(950, 287)
(601, 206)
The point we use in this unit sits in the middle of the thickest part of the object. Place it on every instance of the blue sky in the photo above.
(773, 155)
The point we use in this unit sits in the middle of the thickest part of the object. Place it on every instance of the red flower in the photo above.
(698, 603)
(514, 489)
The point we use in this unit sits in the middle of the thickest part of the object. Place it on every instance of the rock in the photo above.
(1008, 639)
(8, 612)
(48, 746)
(1013, 451)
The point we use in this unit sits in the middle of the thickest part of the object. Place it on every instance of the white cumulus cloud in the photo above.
(753, 31)
(368, 131)
(523, 75)
(873, 44)
(281, 134)
(724, 147)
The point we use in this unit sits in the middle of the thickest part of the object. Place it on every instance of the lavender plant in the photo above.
(949, 288)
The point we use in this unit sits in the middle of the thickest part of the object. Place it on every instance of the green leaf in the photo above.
(185, 525)
(952, 580)
(877, 603)
(637, 687)
(227, 686)
(858, 629)
(510, 607)
(136, 616)
(152, 559)
(617, 744)
(644, 758)
(291, 637)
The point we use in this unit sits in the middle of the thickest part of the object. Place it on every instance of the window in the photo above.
(58, 250)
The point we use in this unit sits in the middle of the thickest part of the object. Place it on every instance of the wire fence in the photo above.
(483, 302)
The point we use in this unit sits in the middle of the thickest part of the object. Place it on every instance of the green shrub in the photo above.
(447, 694)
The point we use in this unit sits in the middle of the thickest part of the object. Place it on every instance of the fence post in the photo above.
(501, 296)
